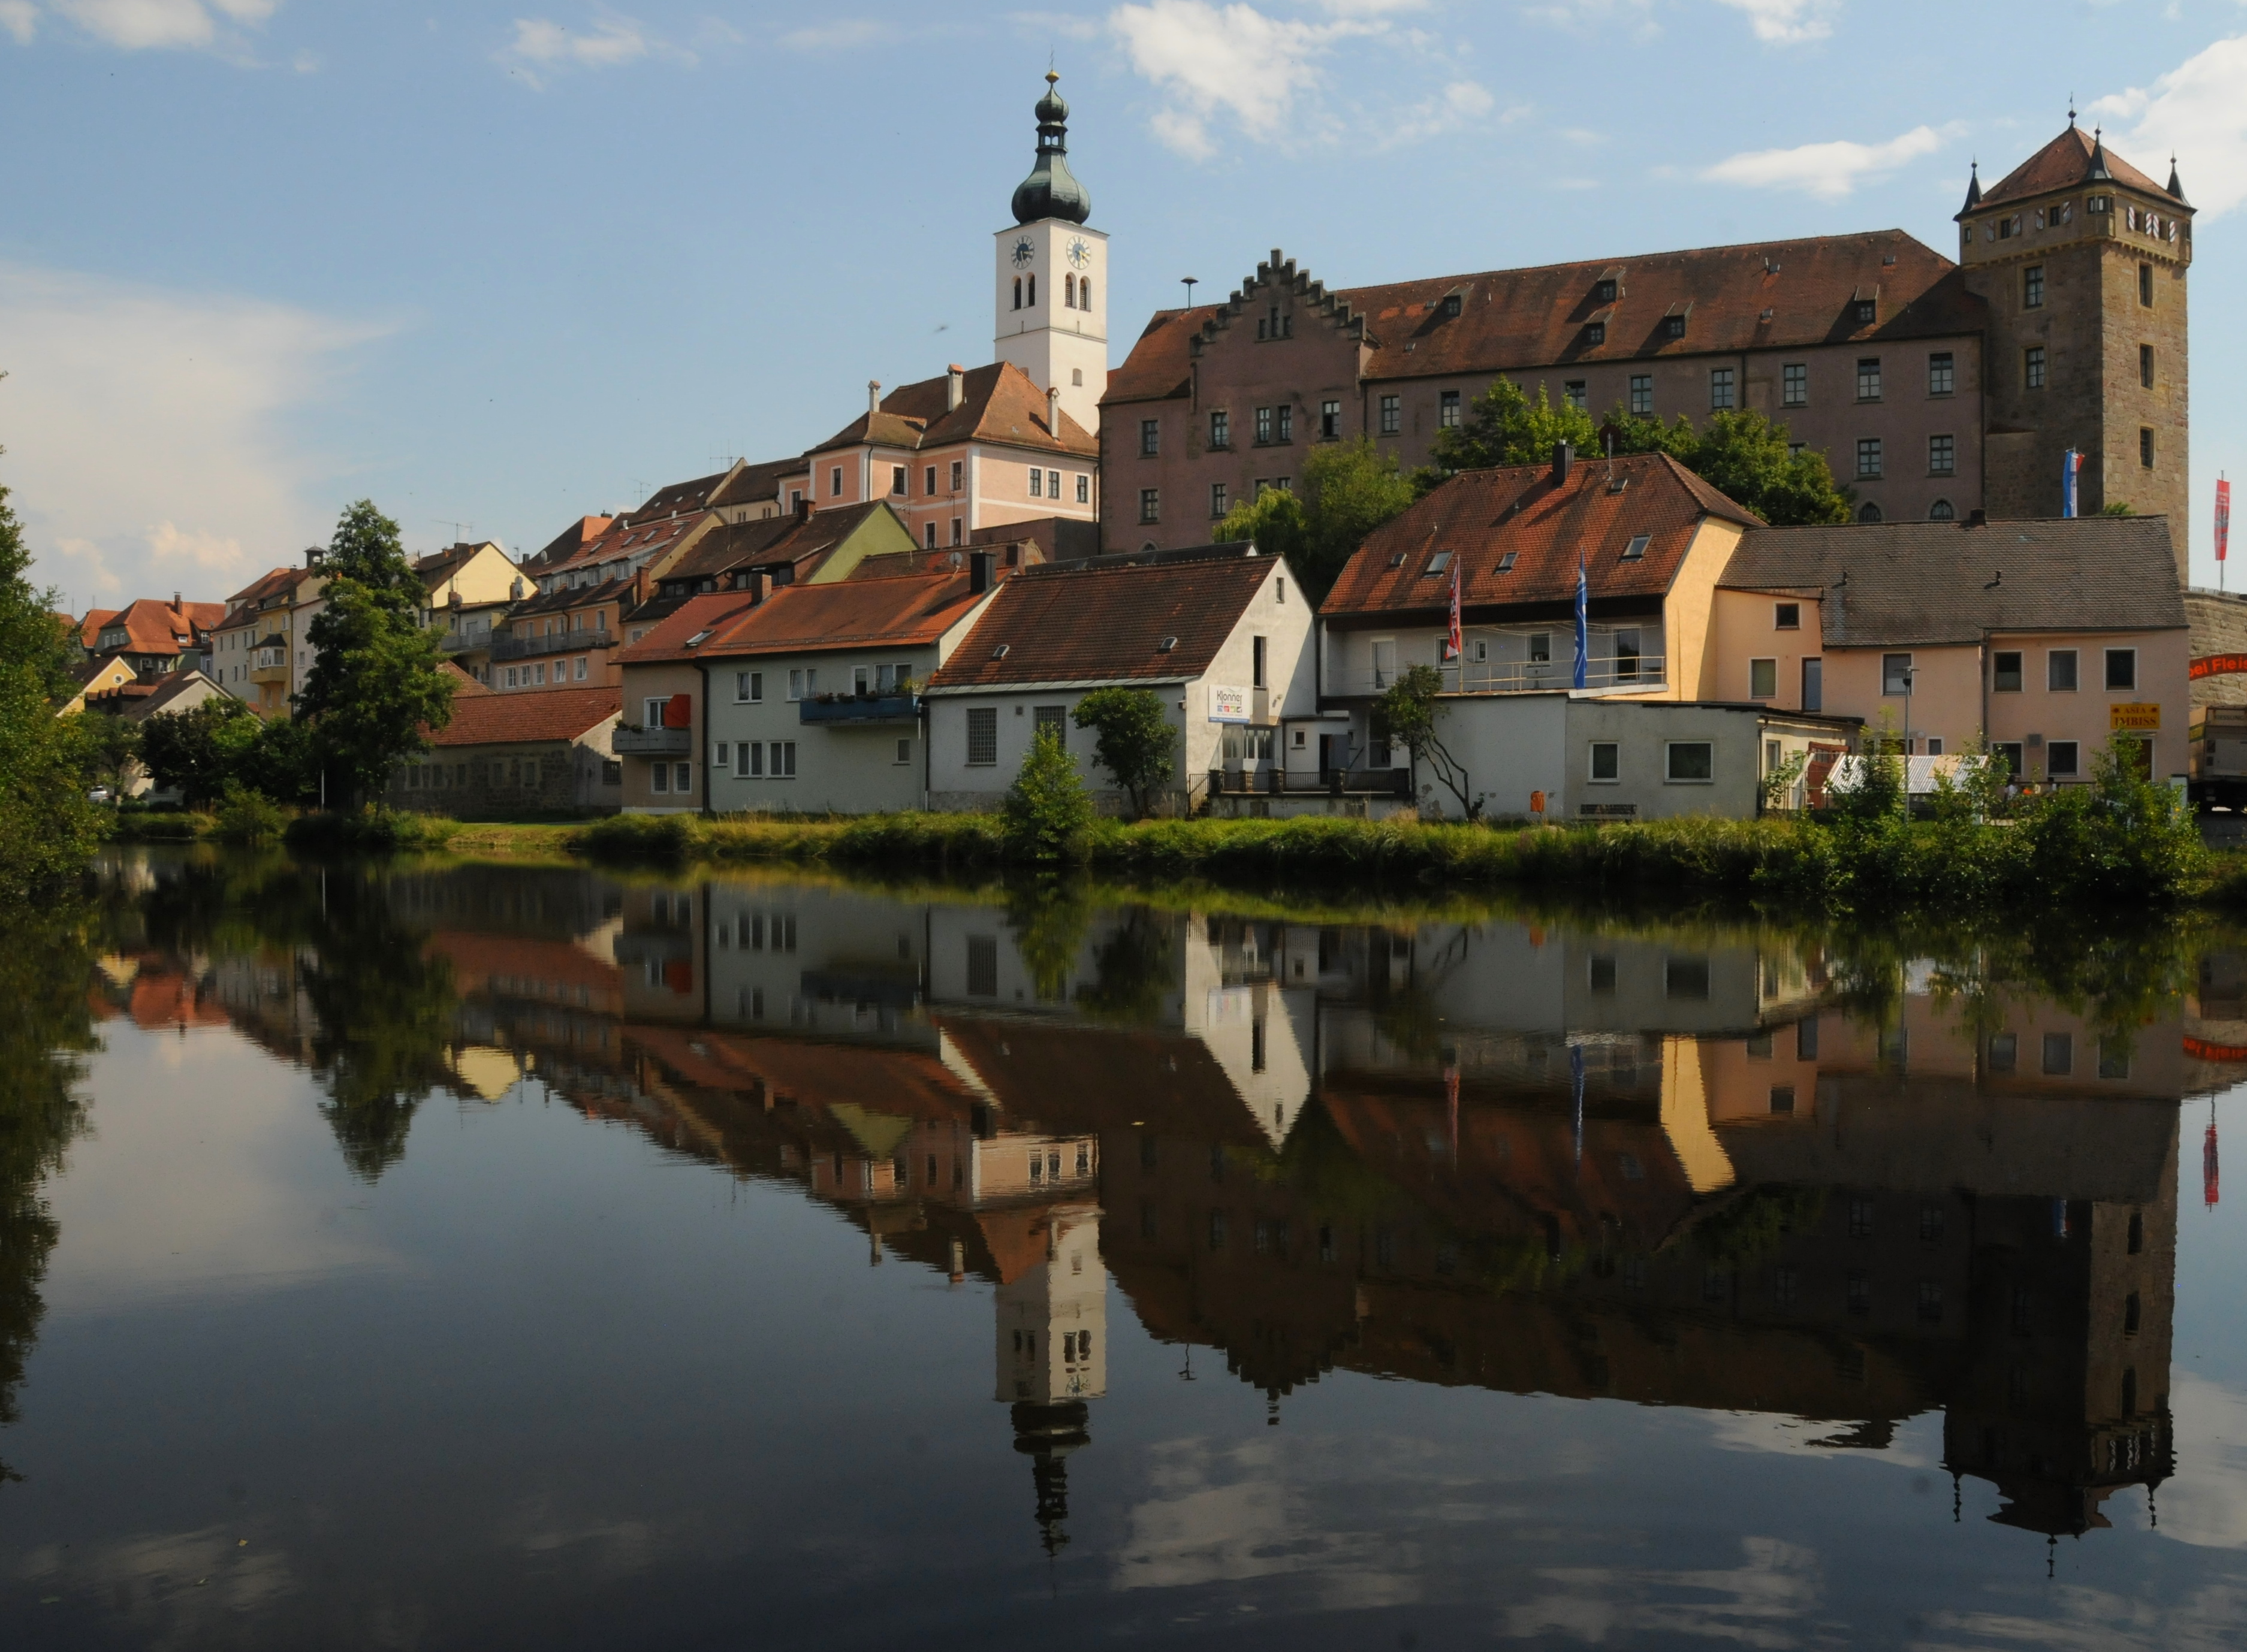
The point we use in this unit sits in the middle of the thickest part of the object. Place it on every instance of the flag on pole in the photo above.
(1455, 645)
(2223, 517)
(2071, 462)
(1584, 628)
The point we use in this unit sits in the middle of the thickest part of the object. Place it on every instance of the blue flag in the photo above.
(2071, 464)
(1583, 629)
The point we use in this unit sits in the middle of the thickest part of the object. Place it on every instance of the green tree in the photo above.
(1348, 489)
(1134, 740)
(108, 745)
(1047, 812)
(1407, 712)
(1505, 428)
(375, 680)
(1744, 456)
(199, 750)
(47, 828)
(282, 761)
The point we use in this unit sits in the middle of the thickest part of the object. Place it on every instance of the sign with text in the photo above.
(1227, 704)
(2130, 719)
(2217, 666)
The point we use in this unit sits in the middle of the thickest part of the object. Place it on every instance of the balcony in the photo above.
(651, 742)
(453, 642)
(1269, 781)
(1512, 677)
(860, 710)
(568, 642)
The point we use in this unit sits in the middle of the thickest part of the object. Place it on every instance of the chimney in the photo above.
(955, 386)
(803, 507)
(760, 587)
(979, 572)
(1053, 412)
(176, 604)
(1976, 517)
(873, 395)
(1563, 457)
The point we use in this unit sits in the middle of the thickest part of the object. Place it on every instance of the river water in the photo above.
(491, 1257)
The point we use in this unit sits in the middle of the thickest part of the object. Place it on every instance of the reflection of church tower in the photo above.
(1052, 277)
(1052, 1316)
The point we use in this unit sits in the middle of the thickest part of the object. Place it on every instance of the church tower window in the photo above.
(1017, 292)
(1033, 303)
(1068, 292)
(1084, 292)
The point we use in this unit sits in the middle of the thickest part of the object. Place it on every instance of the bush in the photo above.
(376, 831)
(665, 838)
(1046, 812)
(245, 816)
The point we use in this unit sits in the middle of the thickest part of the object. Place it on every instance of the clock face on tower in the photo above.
(1024, 252)
(1079, 254)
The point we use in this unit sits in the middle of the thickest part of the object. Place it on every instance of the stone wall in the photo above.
(556, 777)
(2219, 626)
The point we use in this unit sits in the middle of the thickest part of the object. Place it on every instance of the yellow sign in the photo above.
(2136, 719)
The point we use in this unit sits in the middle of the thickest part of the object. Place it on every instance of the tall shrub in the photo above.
(1046, 811)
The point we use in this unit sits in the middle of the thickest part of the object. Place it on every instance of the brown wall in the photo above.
(641, 684)
(519, 778)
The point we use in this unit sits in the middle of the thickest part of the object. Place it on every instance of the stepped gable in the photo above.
(1481, 516)
(2065, 163)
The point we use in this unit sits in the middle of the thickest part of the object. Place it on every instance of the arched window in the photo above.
(1941, 511)
(1017, 292)
(1084, 292)
(1869, 512)
(1068, 292)
(1034, 291)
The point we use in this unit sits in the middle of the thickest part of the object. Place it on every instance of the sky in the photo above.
(496, 267)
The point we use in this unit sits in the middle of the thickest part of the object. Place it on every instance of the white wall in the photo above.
(845, 769)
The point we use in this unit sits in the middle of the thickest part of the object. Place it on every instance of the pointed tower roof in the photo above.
(2075, 157)
(1051, 191)
(2175, 186)
(1973, 189)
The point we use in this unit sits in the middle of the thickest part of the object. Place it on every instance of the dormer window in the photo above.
(1451, 305)
(1636, 549)
(1868, 311)
(1603, 291)
(1673, 326)
(1596, 332)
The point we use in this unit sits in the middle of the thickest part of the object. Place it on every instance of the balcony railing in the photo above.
(568, 642)
(454, 642)
(651, 742)
(1513, 676)
(861, 710)
(1334, 783)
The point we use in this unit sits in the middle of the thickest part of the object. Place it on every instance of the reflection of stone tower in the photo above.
(1053, 1342)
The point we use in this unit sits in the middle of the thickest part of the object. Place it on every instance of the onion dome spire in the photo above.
(1051, 191)
(1973, 189)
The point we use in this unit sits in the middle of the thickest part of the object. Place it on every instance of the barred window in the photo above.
(982, 735)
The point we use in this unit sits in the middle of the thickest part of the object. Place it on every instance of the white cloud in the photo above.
(1789, 22)
(1830, 171)
(136, 25)
(20, 18)
(838, 36)
(150, 437)
(1462, 103)
(612, 41)
(1586, 16)
(2195, 111)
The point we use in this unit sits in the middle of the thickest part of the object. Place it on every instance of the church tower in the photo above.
(1052, 276)
(2082, 260)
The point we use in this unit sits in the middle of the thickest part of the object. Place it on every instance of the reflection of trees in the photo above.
(1050, 919)
(1131, 970)
(44, 971)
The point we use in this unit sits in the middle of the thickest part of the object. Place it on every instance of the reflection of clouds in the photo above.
(216, 1175)
(1917, 1445)
(2206, 1504)
(176, 1586)
(1757, 1603)
(2097, 1621)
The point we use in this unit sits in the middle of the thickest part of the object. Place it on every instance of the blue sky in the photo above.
(501, 265)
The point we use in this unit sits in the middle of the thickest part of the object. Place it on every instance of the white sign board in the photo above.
(1227, 704)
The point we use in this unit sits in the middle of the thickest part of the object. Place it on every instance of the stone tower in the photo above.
(2082, 260)
(1050, 283)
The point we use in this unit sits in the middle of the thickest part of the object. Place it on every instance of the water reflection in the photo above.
(1840, 1181)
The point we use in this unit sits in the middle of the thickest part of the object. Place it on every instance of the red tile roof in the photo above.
(1103, 621)
(89, 633)
(1759, 296)
(2064, 163)
(908, 612)
(462, 683)
(553, 713)
(638, 541)
(766, 540)
(154, 627)
(999, 403)
(568, 543)
(1480, 516)
(668, 639)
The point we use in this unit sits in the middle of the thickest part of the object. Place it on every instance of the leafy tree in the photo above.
(107, 746)
(1879, 792)
(2117, 507)
(1505, 428)
(1408, 711)
(282, 761)
(1047, 810)
(47, 828)
(1134, 742)
(1744, 456)
(1348, 488)
(375, 679)
(199, 750)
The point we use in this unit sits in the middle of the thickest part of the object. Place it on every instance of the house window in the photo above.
(1641, 393)
(1447, 409)
(1330, 421)
(1868, 457)
(2033, 367)
(1606, 762)
(660, 778)
(1794, 384)
(1691, 762)
(1150, 439)
(929, 536)
(1673, 326)
(653, 709)
(1391, 415)
(1763, 680)
(1941, 510)
(1869, 378)
(1942, 373)
(1284, 421)
(1942, 455)
(1636, 549)
(2121, 668)
(982, 736)
(1867, 311)
(2146, 365)
(1050, 722)
(1037, 482)
(721, 755)
(1083, 488)
(1150, 504)
(1574, 393)
(1220, 428)
(1596, 332)
(2146, 447)
(1053, 484)
(904, 748)
(1720, 389)
(1603, 291)
(2145, 284)
(1217, 500)
(783, 763)
(578, 673)
(835, 482)
(2005, 671)
(2061, 759)
(1896, 674)
(2032, 287)
(753, 760)
(682, 778)
(748, 687)
(2059, 1054)
(1786, 616)
(1263, 426)
(2060, 671)
(804, 685)
(959, 531)
(1451, 304)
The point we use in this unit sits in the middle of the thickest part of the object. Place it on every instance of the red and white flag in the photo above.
(1455, 645)
(2223, 533)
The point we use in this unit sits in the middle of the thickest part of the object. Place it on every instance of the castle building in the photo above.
(1935, 388)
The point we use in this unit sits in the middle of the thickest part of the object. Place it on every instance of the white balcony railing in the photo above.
(1513, 676)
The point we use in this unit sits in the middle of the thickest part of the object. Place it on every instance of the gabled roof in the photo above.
(905, 613)
(2064, 163)
(552, 714)
(1106, 621)
(766, 540)
(464, 685)
(277, 582)
(740, 483)
(1759, 295)
(567, 543)
(440, 566)
(153, 627)
(170, 686)
(746, 484)
(570, 596)
(1899, 584)
(638, 541)
(89, 632)
(1480, 516)
(999, 403)
(694, 616)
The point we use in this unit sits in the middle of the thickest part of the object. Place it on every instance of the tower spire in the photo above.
(2175, 185)
(1051, 191)
(1973, 187)
(2098, 172)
